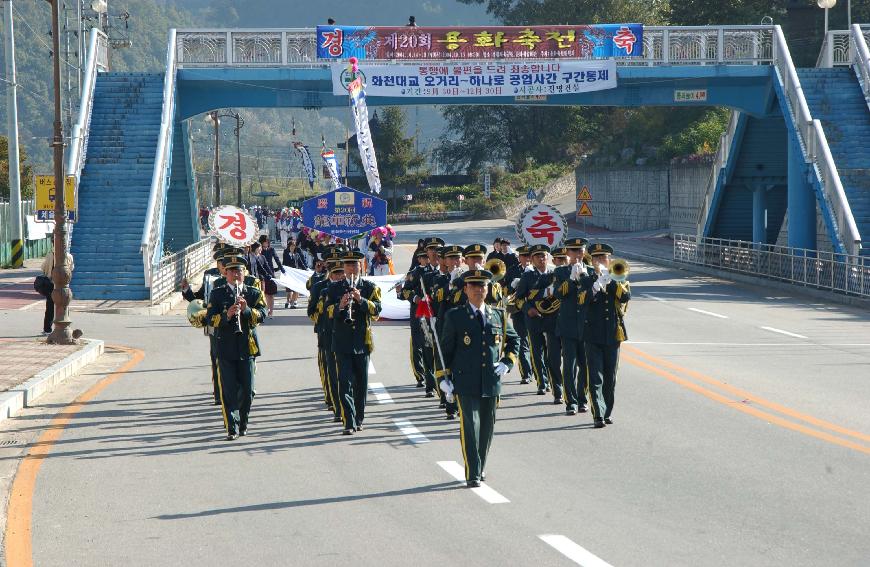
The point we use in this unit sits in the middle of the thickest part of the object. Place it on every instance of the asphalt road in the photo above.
(742, 437)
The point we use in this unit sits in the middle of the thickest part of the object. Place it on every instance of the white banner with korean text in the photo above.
(492, 78)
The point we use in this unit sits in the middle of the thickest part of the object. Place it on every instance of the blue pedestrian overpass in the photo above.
(136, 182)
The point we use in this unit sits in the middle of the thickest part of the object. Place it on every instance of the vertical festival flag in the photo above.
(332, 166)
(363, 134)
(306, 161)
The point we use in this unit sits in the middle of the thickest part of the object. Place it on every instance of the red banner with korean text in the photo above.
(480, 43)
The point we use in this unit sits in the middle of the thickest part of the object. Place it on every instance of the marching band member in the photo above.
(536, 299)
(352, 305)
(479, 346)
(411, 292)
(518, 318)
(573, 284)
(325, 357)
(604, 332)
(234, 311)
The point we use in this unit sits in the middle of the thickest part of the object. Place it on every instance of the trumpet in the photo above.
(497, 268)
(619, 270)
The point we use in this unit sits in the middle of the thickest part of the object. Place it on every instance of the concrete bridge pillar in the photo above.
(759, 207)
(801, 203)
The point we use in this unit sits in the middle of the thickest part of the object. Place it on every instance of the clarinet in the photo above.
(238, 293)
(349, 319)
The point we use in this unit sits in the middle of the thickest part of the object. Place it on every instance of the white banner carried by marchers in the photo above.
(360, 111)
(484, 79)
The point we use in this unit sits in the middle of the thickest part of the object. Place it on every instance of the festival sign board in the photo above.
(481, 79)
(598, 41)
(233, 226)
(542, 224)
(344, 212)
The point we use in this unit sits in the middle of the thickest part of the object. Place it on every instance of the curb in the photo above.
(25, 394)
(161, 308)
(737, 277)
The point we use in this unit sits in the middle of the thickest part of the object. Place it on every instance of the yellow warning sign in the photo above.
(584, 211)
(584, 195)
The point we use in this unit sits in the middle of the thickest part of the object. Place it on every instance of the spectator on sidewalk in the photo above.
(293, 258)
(48, 287)
(266, 274)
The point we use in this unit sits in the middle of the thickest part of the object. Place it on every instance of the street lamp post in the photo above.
(61, 274)
(215, 117)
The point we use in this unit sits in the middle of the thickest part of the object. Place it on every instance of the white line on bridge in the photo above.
(781, 332)
(457, 471)
(572, 551)
(410, 431)
(710, 313)
(648, 296)
(380, 393)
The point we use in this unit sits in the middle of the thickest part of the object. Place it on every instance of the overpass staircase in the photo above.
(826, 113)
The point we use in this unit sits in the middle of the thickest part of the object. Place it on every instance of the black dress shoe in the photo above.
(483, 477)
(557, 401)
(570, 411)
(243, 431)
(420, 384)
(232, 436)
(359, 427)
(608, 420)
(524, 381)
(430, 394)
(547, 388)
(349, 431)
(336, 419)
(540, 392)
(451, 416)
(599, 423)
(473, 484)
(442, 405)
(582, 408)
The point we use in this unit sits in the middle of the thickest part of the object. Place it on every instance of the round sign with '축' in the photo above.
(542, 224)
(233, 226)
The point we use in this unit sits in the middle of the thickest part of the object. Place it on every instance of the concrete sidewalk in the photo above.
(30, 367)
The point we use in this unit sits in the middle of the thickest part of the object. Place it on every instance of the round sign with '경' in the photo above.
(233, 226)
(542, 224)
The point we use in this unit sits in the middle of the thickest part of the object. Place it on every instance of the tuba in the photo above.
(196, 313)
(619, 270)
(548, 305)
(496, 267)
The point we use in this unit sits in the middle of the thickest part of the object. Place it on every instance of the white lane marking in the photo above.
(648, 296)
(457, 471)
(372, 367)
(412, 433)
(710, 313)
(802, 345)
(380, 393)
(781, 332)
(572, 551)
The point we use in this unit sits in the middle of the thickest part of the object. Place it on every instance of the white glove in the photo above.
(549, 291)
(529, 268)
(596, 287)
(577, 271)
(501, 369)
(447, 387)
(515, 283)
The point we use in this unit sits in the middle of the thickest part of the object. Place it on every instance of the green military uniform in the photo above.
(412, 293)
(536, 290)
(202, 294)
(440, 292)
(353, 344)
(474, 344)
(572, 288)
(323, 330)
(236, 351)
(604, 332)
(518, 318)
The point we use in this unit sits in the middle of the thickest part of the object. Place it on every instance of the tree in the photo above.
(399, 162)
(733, 12)
(528, 12)
(25, 168)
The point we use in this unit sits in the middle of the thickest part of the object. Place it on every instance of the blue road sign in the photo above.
(531, 196)
(344, 213)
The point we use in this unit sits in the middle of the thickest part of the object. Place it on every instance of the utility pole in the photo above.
(12, 134)
(61, 274)
(237, 131)
(217, 157)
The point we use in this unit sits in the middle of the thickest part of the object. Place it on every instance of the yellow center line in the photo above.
(19, 541)
(655, 366)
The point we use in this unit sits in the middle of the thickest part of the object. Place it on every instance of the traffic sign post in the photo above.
(530, 195)
(460, 198)
(45, 195)
(486, 185)
(584, 211)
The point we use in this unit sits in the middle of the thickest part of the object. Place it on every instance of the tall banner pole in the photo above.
(12, 134)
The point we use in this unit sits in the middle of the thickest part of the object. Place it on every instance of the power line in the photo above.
(39, 37)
